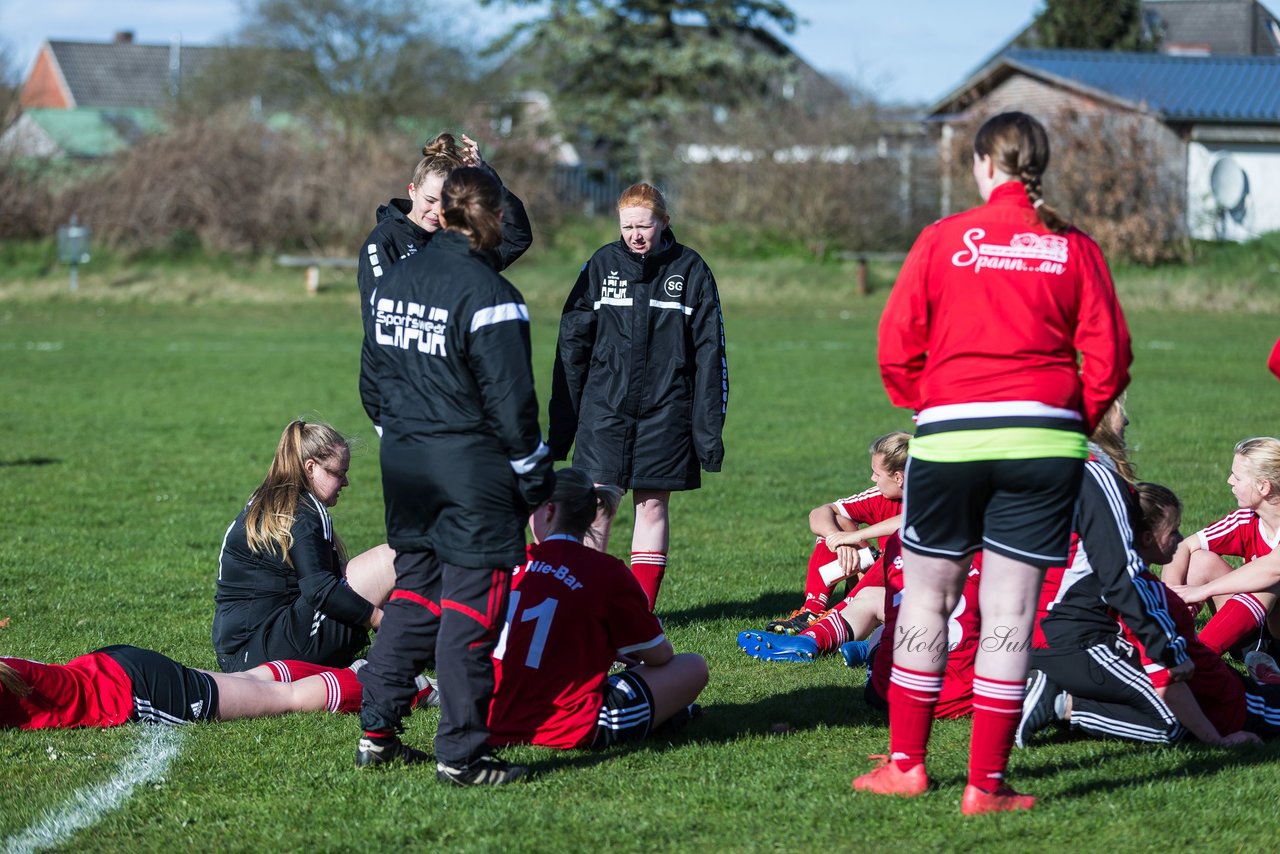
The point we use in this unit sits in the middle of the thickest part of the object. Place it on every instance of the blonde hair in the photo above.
(440, 156)
(471, 204)
(644, 196)
(1160, 508)
(579, 500)
(1018, 145)
(12, 682)
(892, 449)
(1111, 443)
(1263, 456)
(273, 505)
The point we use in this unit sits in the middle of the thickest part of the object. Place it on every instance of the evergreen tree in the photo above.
(628, 74)
(1093, 25)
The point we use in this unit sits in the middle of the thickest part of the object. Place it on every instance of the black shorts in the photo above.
(1021, 509)
(301, 633)
(164, 691)
(627, 711)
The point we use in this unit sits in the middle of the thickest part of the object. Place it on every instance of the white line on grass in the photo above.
(156, 749)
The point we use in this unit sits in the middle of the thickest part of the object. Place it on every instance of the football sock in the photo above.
(289, 670)
(997, 709)
(648, 568)
(1241, 616)
(816, 591)
(829, 632)
(343, 690)
(912, 697)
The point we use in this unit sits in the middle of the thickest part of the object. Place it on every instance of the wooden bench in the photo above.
(863, 259)
(313, 263)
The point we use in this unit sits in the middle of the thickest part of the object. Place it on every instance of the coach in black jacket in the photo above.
(463, 463)
(405, 226)
(641, 382)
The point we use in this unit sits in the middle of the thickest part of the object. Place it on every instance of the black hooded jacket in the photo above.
(641, 382)
(396, 237)
(463, 461)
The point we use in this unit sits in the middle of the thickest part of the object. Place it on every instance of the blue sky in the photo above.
(914, 50)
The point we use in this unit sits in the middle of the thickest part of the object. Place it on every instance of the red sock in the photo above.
(648, 568)
(1241, 616)
(829, 632)
(289, 670)
(997, 708)
(913, 695)
(344, 689)
(816, 591)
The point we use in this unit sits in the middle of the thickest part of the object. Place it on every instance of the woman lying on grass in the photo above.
(573, 611)
(285, 586)
(122, 684)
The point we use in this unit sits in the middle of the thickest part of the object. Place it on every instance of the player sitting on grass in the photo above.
(1217, 705)
(119, 684)
(1244, 598)
(573, 611)
(840, 537)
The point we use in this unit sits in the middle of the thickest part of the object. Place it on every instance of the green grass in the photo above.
(137, 417)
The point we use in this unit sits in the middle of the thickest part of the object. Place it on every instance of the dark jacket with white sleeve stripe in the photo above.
(396, 237)
(1111, 576)
(462, 456)
(641, 381)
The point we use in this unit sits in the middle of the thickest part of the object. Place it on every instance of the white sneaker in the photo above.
(1262, 667)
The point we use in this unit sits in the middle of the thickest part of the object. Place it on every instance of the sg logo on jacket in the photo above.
(401, 324)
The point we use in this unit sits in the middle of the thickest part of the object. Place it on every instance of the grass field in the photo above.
(137, 416)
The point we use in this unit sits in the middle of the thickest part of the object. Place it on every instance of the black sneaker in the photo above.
(376, 754)
(799, 620)
(488, 770)
(1038, 707)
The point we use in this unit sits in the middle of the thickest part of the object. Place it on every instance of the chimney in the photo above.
(123, 37)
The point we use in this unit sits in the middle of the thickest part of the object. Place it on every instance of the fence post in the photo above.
(860, 286)
(313, 280)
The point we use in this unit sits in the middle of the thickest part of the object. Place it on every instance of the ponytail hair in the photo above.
(579, 501)
(1111, 443)
(440, 156)
(471, 204)
(1160, 508)
(273, 505)
(1018, 145)
(11, 682)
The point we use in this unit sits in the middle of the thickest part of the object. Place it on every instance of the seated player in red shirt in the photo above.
(1243, 597)
(122, 684)
(573, 612)
(844, 528)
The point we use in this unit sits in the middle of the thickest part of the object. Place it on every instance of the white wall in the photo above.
(1260, 211)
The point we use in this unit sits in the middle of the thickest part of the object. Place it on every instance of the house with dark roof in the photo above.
(1216, 120)
(1213, 27)
(121, 73)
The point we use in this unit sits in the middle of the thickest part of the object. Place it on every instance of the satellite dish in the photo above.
(1228, 183)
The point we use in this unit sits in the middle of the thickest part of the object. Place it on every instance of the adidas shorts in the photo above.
(1021, 509)
(164, 691)
(298, 632)
(627, 711)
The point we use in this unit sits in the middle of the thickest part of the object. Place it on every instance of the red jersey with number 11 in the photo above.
(573, 611)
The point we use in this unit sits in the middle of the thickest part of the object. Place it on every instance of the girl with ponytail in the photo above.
(1004, 335)
(573, 612)
(285, 587)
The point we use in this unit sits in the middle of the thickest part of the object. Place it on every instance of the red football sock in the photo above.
(817, 593)
(829, 632)
(648, 568)
(290, 670)
(1241, 616)
(344, 689)
(913, 695)
(997, 708)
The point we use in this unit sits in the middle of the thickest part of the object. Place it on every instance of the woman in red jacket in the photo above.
(979, 338)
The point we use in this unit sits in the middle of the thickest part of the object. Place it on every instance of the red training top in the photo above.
(990, 306)
(91, 690)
